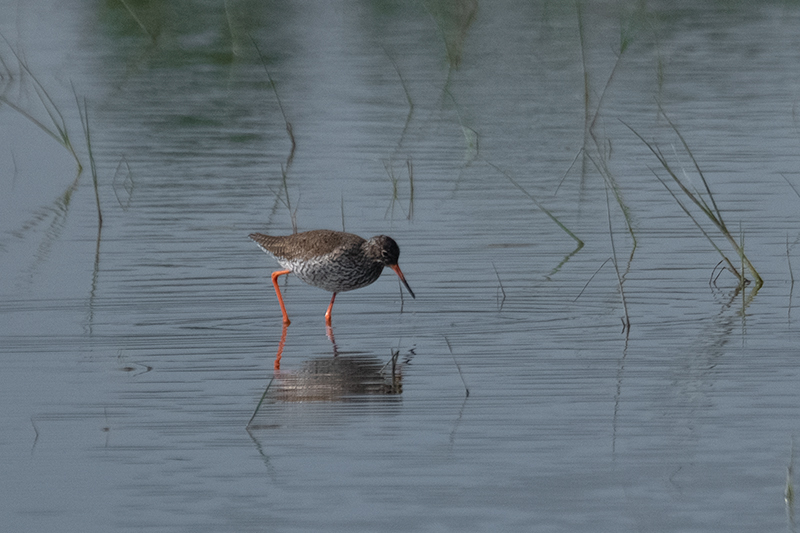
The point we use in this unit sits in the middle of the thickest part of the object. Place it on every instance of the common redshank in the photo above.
(331, 260)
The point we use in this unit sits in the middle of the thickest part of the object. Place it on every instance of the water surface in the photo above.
(139, 382)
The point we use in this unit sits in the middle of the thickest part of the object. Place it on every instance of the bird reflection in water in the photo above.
(335, 378)
(338, 378)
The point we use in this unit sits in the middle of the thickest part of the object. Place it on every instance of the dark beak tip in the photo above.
(409, 289)
(399, 273)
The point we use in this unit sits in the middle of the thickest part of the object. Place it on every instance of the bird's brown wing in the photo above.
(308, 244)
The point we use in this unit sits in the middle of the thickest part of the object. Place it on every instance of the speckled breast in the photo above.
(345, 272)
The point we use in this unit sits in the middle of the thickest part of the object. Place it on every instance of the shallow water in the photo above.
(139, 381)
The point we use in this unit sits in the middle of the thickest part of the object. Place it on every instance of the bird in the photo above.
(332, 260)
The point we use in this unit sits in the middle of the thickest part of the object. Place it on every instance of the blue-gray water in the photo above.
(138, 384)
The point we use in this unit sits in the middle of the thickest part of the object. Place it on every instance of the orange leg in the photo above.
(278, 292)
(328, 312)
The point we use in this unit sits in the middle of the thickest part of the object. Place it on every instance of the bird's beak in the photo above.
(399, 273)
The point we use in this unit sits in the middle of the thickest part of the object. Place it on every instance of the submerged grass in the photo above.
(710, 210)
(56, 125)
(592, 142)
(458, 367)
(547, 212)
(626, 322)
(83, 111)
(500, 289)
(123, 179)
(282, 197)
(470, 135)
(789, 258)
(409, 213)
(404, 85)
(788, 493)
(289, 129)
(389, 164)
(538, 204)
(153, 36)
(471, 139)
(789, 248)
